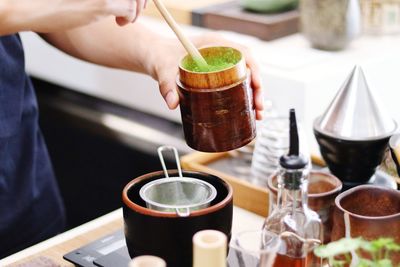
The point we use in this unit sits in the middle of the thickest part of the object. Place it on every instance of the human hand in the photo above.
(136, 7)
(165, 60)
(46, 16)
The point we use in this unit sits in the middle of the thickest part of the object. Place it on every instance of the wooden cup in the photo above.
(217, 107)
(373, 212)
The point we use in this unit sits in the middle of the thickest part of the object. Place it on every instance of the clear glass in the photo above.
(299, 227)
(241, 160)
(247, 249)
(272, 142)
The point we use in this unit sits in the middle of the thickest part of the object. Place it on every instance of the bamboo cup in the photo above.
(209, 249)
(217, 107)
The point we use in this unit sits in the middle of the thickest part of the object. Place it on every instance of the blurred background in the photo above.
(103, 126)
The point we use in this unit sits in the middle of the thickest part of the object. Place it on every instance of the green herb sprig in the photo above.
(379, 251)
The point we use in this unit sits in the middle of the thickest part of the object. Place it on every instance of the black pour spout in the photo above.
(294, 160)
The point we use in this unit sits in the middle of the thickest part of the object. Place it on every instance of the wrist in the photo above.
(12, 17)
(157, 49)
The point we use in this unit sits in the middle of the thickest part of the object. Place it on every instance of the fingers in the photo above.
(168, 90)
(255, 83)
(133, 9)
(140, 4)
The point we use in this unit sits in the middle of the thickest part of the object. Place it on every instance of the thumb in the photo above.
(169, 92)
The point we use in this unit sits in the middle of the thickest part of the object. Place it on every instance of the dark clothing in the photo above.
(31, 208)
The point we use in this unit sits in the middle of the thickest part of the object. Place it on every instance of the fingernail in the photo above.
(170, 98)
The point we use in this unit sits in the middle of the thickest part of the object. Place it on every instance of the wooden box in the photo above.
(231, 16)
(246, 195)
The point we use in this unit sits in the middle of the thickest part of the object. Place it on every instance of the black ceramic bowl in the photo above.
(352, 161)
(166, 235)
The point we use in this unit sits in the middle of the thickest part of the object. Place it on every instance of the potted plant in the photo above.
(357, 252)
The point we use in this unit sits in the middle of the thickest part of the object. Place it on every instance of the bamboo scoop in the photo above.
(187, 44)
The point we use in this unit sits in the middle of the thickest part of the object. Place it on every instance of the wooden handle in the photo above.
(190, 48)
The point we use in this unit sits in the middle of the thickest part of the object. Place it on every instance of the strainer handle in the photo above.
(160, 151)
(183, 212)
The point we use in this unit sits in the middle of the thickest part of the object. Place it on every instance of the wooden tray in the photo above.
(246, 195)
(232, 17)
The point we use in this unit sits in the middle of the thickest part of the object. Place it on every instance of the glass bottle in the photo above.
(299, 227)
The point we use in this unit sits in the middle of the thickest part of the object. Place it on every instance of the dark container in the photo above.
(217, 108)
(352, 161)
(374, 212)
(166, 235)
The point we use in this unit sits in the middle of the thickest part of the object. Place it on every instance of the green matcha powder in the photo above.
(221, 61)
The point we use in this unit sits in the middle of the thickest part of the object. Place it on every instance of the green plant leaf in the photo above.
(342, 246)
(393, 247)
(384, 263)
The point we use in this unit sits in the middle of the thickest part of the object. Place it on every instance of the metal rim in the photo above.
(383, 136)
(147, 186)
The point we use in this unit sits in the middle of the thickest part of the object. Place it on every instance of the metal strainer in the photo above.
(177, 194)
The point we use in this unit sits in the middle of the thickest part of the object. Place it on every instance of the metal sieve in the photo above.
(177, 194)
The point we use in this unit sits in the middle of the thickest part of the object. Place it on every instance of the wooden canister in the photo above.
(217, 107)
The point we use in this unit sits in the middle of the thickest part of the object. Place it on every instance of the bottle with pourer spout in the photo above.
(298, 226)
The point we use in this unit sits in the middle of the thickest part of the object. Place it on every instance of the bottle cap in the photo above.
(294, 160)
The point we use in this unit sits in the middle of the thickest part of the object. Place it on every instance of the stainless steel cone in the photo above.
(355, 113)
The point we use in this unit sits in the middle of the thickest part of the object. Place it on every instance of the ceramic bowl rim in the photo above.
(314, 195)
(362, 187)
(146, 211)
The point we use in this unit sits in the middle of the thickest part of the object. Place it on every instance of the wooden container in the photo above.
(373, 212)
(247, 195)
(230, 16)
(217, 107)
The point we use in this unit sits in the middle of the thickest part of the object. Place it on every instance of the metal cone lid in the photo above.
(355, 113)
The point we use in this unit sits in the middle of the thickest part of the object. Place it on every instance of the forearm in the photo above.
(45, 16)
(107, 44)
(10, 14)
